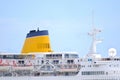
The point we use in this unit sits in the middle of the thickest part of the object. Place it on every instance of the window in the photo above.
(71, 56)
(42, 61)
(93, 73)
(55, 61)
(21, 62)
(70, 61)
(66, 55)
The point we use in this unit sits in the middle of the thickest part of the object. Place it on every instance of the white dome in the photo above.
(112, 52)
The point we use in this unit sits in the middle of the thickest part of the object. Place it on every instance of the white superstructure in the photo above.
(61, 65)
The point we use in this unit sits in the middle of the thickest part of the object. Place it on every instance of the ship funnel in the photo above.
(36, 41)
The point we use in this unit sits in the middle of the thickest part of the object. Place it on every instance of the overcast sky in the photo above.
(68, 22)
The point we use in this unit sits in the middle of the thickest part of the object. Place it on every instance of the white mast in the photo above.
(93, 34)
(95, 41)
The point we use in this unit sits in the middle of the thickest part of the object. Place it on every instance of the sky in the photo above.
(68, 23)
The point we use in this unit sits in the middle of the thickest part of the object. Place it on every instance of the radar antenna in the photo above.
(93, 34)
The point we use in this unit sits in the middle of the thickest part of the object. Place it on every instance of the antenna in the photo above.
(38, 29)
(93, 34)
(112, 52)
(93, 19)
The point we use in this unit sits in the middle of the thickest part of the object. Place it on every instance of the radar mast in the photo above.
(95, 41)
(93, 34)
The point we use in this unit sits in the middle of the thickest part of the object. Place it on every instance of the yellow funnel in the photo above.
(36, 41)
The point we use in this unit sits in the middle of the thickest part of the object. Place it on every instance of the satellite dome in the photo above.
(112, 52)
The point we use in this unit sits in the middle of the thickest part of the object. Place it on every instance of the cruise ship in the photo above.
(37, 61)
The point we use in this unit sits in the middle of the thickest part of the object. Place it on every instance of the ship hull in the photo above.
(62, 78)
(42, 78)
